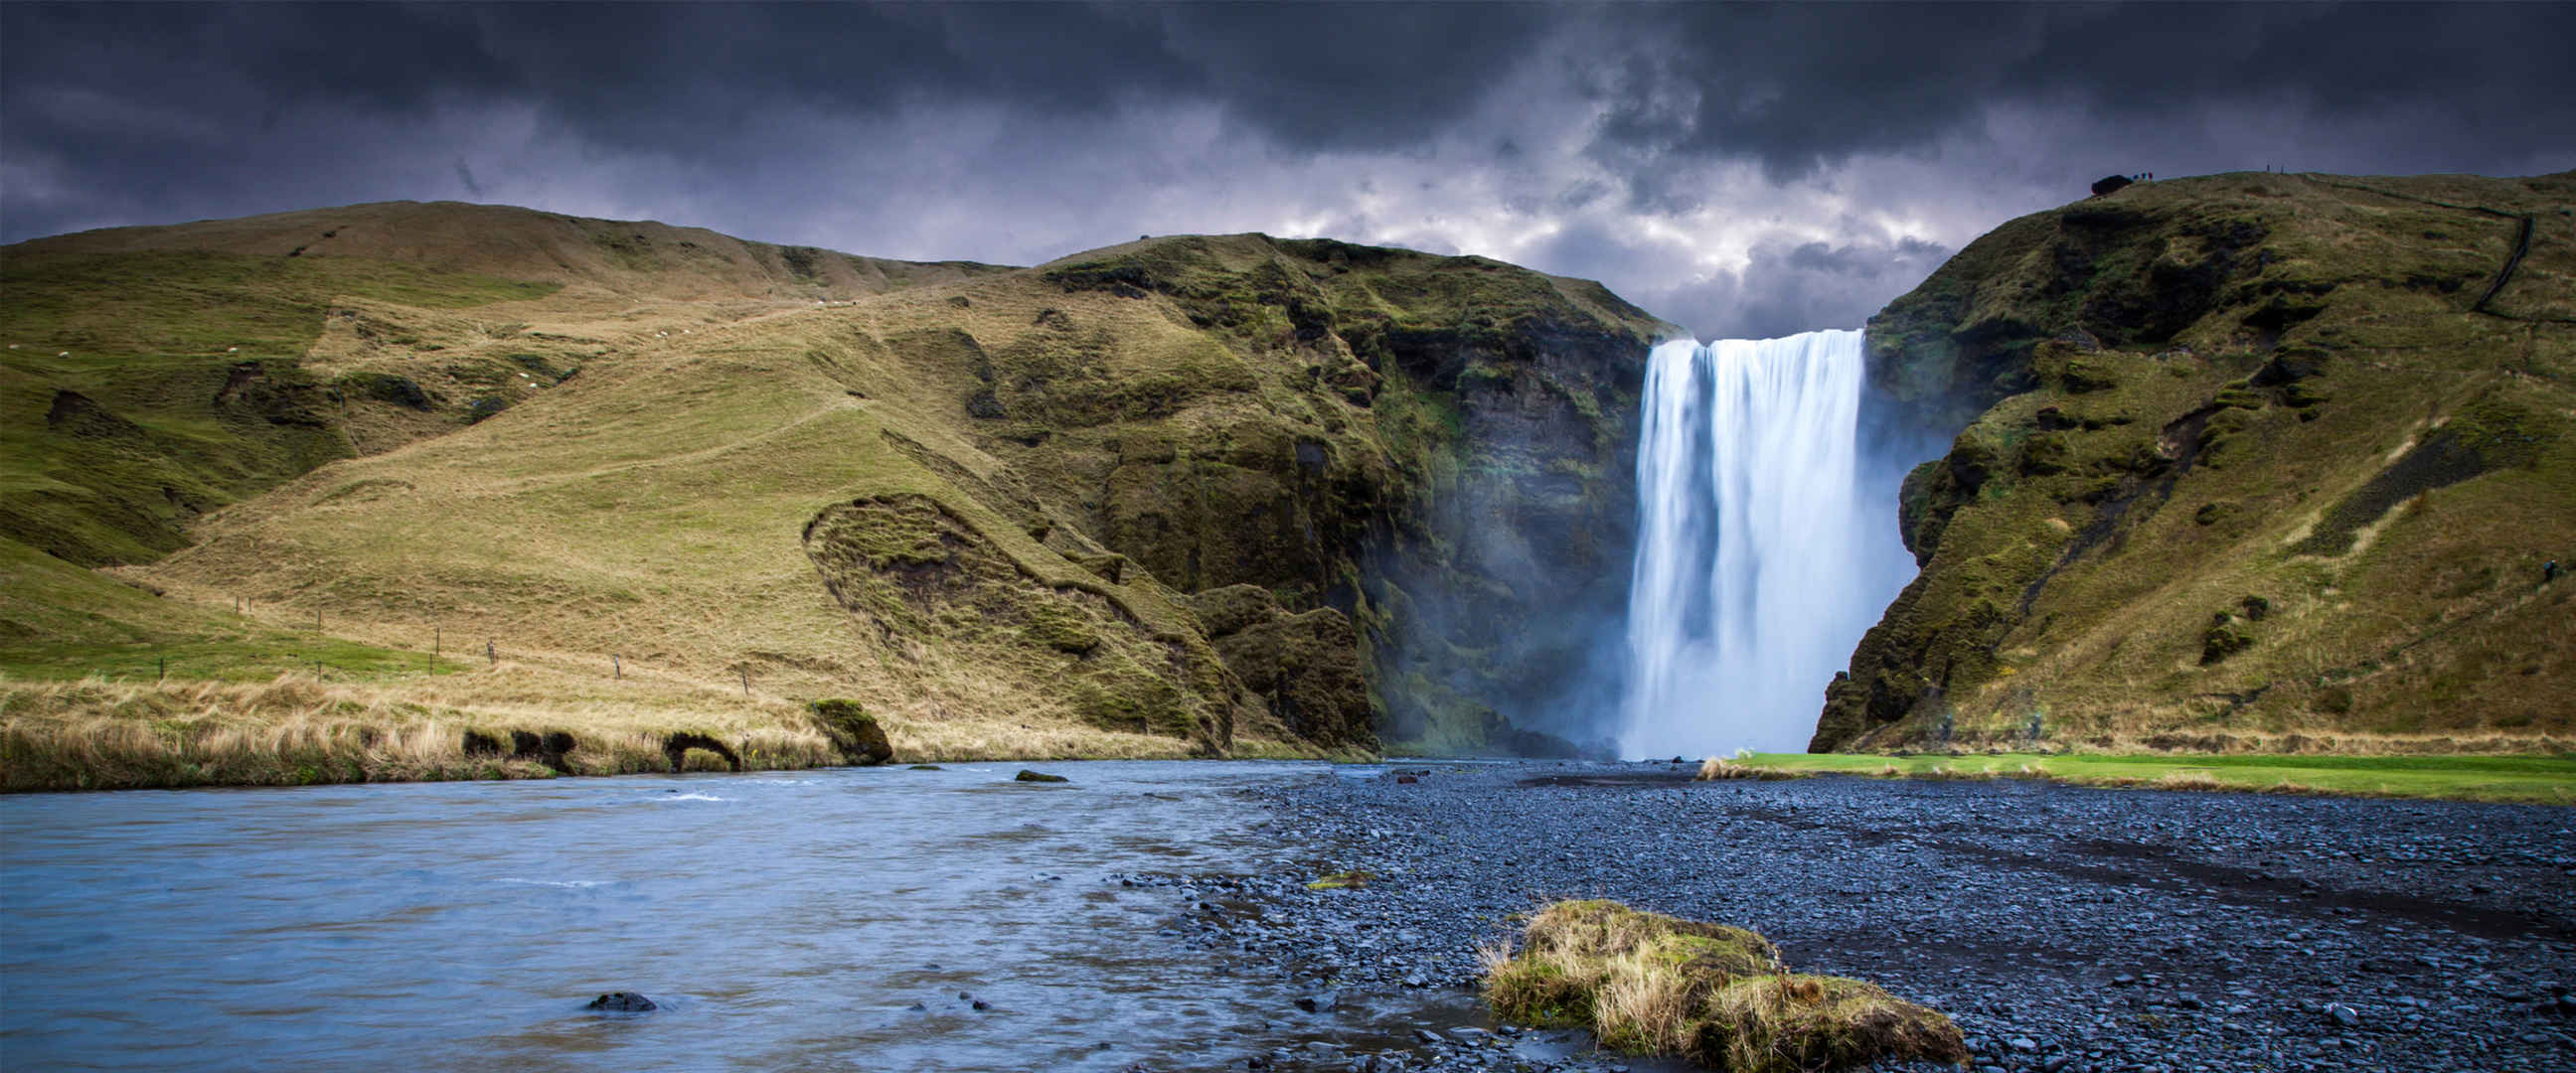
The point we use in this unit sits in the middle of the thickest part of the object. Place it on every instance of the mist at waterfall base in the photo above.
(1766, 543)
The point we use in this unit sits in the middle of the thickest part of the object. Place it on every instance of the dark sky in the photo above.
(1742, 170)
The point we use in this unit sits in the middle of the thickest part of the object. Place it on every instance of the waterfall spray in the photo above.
(1760, 560)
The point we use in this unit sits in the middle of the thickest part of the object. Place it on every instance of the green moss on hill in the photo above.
(2190, 399)
(144, 389)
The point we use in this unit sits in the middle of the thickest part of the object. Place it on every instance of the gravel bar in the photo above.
(2064, 928)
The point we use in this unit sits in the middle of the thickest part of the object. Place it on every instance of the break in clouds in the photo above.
(1743, 171)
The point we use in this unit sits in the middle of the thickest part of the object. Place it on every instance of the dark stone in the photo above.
(1027, 775)
(622, 1002)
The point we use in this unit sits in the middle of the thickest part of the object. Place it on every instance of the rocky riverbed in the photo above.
(2064, 928)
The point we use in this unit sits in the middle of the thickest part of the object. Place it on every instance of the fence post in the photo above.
(746, 680)
(490, 654)
(616, 666)
(164, 675)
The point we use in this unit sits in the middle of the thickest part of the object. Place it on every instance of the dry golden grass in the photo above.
(1717, 995)
(297, 729)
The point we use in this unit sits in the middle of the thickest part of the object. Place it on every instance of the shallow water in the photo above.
(782, 921)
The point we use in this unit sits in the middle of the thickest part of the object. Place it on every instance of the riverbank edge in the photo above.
(300, 731)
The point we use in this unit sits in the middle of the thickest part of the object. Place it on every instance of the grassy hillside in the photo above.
(2250, 462)
(1181, 496)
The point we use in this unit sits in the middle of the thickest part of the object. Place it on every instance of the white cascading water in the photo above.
(1760, 559)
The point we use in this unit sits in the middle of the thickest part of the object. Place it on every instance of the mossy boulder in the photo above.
(1716, 995)
(855, 734)
(2225, 636)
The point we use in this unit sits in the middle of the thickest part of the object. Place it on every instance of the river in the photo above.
(808, 920)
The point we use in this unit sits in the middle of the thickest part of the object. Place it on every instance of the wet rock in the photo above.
(1319, 1002)
(2343, 1015)
(1027, 775)
(622, 1002)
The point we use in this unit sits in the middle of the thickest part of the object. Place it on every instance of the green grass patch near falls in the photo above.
(2549, 780)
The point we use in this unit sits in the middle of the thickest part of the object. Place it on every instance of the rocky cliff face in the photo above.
(1430, 456)
(2245, 460)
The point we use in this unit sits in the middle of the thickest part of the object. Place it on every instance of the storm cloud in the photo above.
(1741, 170)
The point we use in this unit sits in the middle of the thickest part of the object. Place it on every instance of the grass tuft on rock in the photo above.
(1716, 995)
(1350, 880)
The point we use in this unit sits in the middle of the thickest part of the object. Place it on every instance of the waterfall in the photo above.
(1761, 557)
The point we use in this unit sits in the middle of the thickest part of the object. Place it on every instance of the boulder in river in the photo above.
(622, 1002)
(1027, 775)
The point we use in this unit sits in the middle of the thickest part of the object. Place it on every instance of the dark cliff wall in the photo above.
(1463, 492)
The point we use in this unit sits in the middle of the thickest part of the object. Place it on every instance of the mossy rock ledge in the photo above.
(2337, 392)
